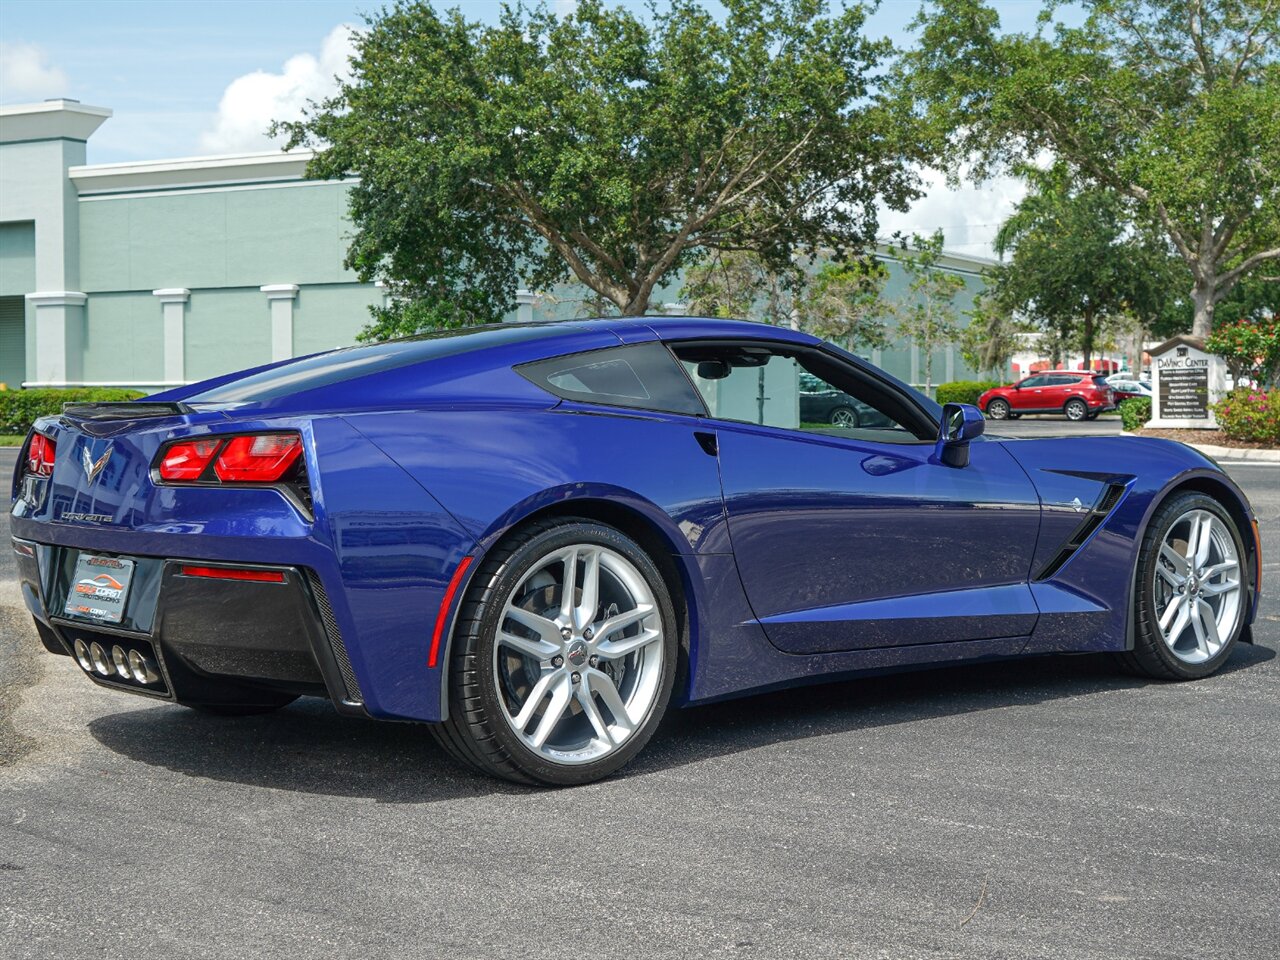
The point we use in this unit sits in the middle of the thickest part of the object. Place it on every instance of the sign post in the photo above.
(1186, 379)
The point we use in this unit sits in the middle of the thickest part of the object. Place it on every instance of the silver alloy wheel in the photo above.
(1076, 410)
(578, 670)
(844, 417)
(998, 409)
(1197, 586)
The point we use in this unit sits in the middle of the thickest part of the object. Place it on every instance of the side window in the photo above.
(1034, 382)
(643, 376)
(792, 391)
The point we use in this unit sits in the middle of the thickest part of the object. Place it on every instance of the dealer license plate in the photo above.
(99, 588)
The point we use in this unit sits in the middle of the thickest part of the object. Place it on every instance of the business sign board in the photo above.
(1186, 379)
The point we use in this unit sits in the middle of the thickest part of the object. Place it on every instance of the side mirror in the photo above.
(961, 422)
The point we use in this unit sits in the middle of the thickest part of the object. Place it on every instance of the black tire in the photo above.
(1091, 416)
(266, 704)
(476, 731)
(998, 409)
(845, 417)
(1150, 656)
(1075, 409)
(1014, 416)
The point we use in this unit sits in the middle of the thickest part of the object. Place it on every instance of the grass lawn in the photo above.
(12, 439)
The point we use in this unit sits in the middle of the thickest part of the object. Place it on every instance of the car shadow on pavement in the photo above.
(308, 748)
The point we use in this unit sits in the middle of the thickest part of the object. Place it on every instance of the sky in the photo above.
(202, 77)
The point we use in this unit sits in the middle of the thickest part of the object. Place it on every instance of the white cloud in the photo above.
(25, 73)
(251, 102)
(968, 216)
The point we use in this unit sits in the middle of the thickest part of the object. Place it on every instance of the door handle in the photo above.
(707, 441)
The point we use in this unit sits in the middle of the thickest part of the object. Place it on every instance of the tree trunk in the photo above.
(1203, 300)
(1086, 341)
(928, 368)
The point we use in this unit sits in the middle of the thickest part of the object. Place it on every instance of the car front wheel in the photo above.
(844, 417)
(1076, 409)
(1192, 595)
(998, 410)
(564, 656)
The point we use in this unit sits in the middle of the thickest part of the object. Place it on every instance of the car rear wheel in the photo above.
(564, 656)
(1192, 592)
(844, 417)
(998, 410)
(1075, 409)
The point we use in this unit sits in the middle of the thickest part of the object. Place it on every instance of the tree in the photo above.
(992, 337)
(1174, 104)
(607, 148)
(927, 316)
(841, 301)
(1077, 259)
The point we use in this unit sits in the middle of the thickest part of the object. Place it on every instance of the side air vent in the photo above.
(334, 636)
(1092, 521)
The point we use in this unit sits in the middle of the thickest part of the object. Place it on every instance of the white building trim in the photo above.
(280, 297)
(173, 308)
(51, 120)
(273, 165)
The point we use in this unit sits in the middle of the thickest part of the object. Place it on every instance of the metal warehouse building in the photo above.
(162, 272)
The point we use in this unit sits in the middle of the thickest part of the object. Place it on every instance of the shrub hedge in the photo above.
(21, 408)
(1250, 415)
(1135, 412)
(964, 391)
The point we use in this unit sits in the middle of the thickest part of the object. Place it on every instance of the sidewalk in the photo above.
(1228, 453)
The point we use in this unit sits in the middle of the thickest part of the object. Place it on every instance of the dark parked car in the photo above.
(1076, 394)
(822, 403)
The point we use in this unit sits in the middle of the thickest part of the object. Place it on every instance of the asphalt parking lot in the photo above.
(1044, 808)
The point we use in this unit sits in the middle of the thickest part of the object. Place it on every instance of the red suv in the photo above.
(1077, 394)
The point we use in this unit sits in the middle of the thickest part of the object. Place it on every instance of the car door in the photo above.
(856, 538)
(1028, 395)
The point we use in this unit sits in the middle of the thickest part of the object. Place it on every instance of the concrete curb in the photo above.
(1228, 453)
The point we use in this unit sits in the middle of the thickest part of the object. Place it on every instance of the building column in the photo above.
(525, 300)
(59, 324)
(951, 363)
(173, 307)
(280, 297)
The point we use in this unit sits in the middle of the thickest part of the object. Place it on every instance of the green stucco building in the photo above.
(162, 272)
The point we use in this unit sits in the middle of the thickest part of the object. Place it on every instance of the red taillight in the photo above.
(40, 454)
(259, 459)
(233, 573)
(187, 459)
(255, 458)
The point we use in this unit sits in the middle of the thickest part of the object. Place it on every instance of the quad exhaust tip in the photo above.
(126, 664)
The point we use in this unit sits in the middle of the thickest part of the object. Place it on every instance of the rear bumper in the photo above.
(216, 640)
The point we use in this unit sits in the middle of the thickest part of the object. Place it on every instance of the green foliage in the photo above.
(843, 301)
(1135, 412)
(1251, 349)
(964, 391)
(1079, 260)
(990, 340)
(1250, 416)
(1172, 104)
(607, 146)
(927, 315)
(405, 317)
(20, 408)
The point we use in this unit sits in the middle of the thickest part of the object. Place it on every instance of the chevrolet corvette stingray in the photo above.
(538, 538)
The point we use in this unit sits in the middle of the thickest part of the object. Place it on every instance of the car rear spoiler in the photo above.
(125, 410)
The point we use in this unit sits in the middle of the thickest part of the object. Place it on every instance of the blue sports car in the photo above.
(538, 538)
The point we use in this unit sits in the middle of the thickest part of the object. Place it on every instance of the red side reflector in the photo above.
(187, 460)
(40, 454)
(233, 573)
(443, 616)
(258, 459)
